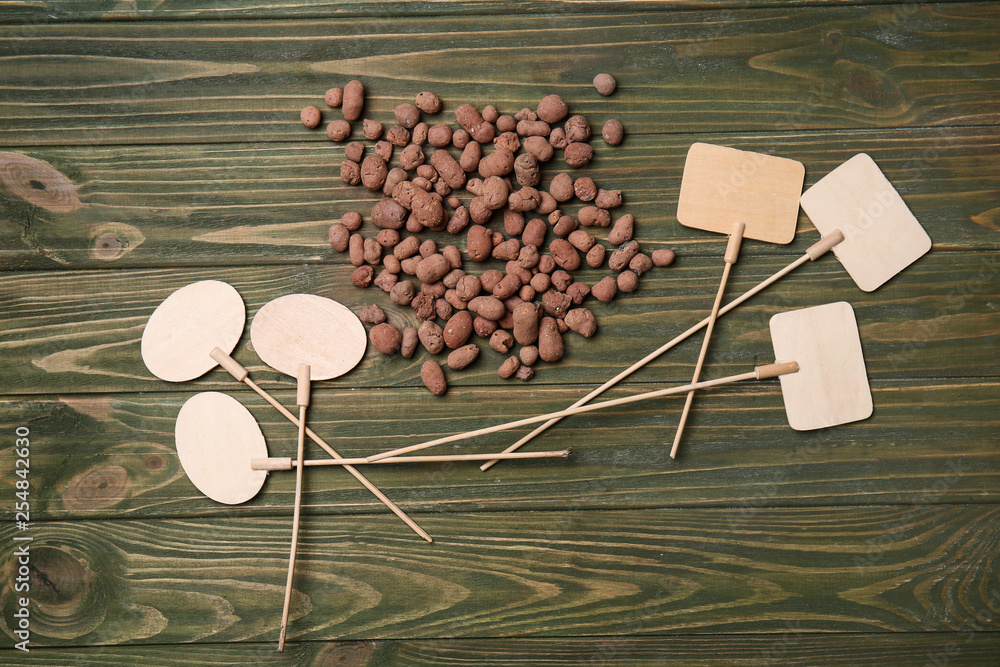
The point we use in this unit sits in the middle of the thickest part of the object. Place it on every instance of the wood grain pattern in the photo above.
(113, 456)
(828, 68)
(875, 569)
(272, 203)
(788, 647)
(79, 332)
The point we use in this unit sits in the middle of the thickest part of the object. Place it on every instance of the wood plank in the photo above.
(216, 81)
(79, 332)
(788, 647)
(928, 442)
(553, 574)
(47, 11)
(149, 206)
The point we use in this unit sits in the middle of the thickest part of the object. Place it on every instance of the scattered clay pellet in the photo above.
(310, 117)
(428, 102)
(423, 307)
(582, 321)
(483, 327)
(557, 138)
(498, 163)
(473, 122)
(501, 341)
(362, 276)
(354, 151)
(402, 293)
(374, 172)
(432, 268)
(372, 251)
(526, 318)
(479, 243)
(540, 148)
(443, 309)
(338, 130)
(350, 172)
(509, 367)
(463, 356)
(386, 280)
(356, 248)
(561, 280)
(623, 255)
(552, 109)
(578, 292)
(398, 136)
(340, 236)
(458, 329)
(623, 230)
(533, 128)
(577, 129)
(372, 129)
(490, 114)
(561, 187)
(528, 355)
(460, 138)
(386, 338)
(488, 307)
(431, 336)
(591, 216)
(384, 150)
(605, 84)
(432, 375)
(581, 240)
(372, 314)
(613, 133)
(468, 287)
(524, 373)
(578, 154)
(408, 345)
(605, 289)
(663, 257)
(389, 214)
(628, 281)
(407, 115)
(565, 255)
(584, 188)
(354, 100)
(641, 263)
(334, 97)
(556, 303)
(608, 198)
(507, 140)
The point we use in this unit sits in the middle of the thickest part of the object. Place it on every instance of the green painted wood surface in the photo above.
(791, 647)
(272, 203)
(554, 574)
(112, 456)
(757, 70)
(872, 543)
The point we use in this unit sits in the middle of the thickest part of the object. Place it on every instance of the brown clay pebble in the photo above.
(362, 276)
(578, 154)
(605, 290)
(398, 136)
(458, 329)
(501, 341)
(608, 199)
(372, 129)
(386, 280)
(582, 321)
(488, 307)
(354, 100)
(460, 138)
(386, 338)
(373, 252)
(448, 168)
(557, 137)
(577, 292)
(663, 257)
(623, 255)
(479, 243)
(334, 97)
(433, 268)
(577, 129)
(581, 240)
(351, 220)
(409, 344)
(524, 373)
(384, 150)
(310, 117)
(509, 367)
(595, 256)
(431, 336)
(411, 157)
(340, 236)
(373, 173)
(350, 172)
(472, 121)
(584, 188)
(628, 281)
(529, 355)
(541, 148)
(565, 254)
(402, 293)
(356, 246)
(407, 115)
(605, 84)
(432, 375)
(463, 356)
(623, 230)
(561, 187)
(428, 102)
(339, 130)
(372, 315)
(591, 216)
(483, 327)
(389, 214)
(526, 318)
(439, 135)
(552, 109)
(613, 133)
(641, 263)
(387, 238)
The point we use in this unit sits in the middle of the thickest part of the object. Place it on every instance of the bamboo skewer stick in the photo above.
(758, 373)
(242, 375)
(302, 400)
(732, 252)
(288, 463)
(812, 253)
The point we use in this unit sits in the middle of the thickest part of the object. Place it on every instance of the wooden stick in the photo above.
(812, 253)
(287, 463)
(759, 373)
(732, 252)
(302, 400)
(241, 375)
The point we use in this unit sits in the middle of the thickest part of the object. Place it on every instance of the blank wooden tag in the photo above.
(216, 438)
(183, 330)
(308, 329)
(831, 385)
(881, 235)
(722, 186)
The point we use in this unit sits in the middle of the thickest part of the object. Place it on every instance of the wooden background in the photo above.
(177, 122)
